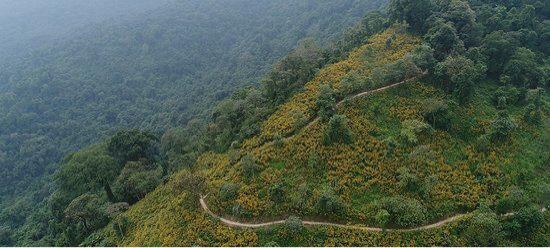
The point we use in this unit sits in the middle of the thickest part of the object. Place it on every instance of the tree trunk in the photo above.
(109, 192)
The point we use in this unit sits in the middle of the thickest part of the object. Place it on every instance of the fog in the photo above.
(26, 24)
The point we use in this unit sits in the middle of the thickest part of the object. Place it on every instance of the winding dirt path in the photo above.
(352, 97)
(232, 223)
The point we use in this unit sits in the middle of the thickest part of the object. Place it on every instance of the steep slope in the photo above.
(152, 71)
(396, 160)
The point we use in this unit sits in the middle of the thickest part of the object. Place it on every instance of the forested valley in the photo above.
(387, 123)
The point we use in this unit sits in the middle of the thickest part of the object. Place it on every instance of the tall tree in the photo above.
(88, 170)
(414, 12)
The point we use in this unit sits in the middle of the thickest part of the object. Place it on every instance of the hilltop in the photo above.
(396, 160)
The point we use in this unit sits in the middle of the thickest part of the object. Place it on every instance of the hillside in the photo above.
(152, 70)
(420, 173)
(425, 124)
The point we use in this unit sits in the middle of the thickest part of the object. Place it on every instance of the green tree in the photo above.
(516, 199)
(329, 203)
(483, 229)
(293, 225)
(87, 209)
(524, 222)
(191, 183)
(382, 218)
(460, 75)
(228, 191)
(499, 46)
(443, 38)
(249, 166)
(462, 17)
(412, 129)
(404, 212)
(502, 127)
(292, 72)
(326, 102)
(5, 236)
(277, 193)
(136, 180)
(523, 69)
(132, 145)
(408, 180)
(88, 170)
(414, 12)
(338, 131)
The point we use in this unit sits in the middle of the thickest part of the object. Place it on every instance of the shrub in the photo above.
(338, 131)
(249, 166)
(293, 225)
(412, 129)
(524, 222)
(404, 212)
(120, 225)
(483, 143)
(382, 218)
(228, 191)
(329, 203)
(502, 127)
(189, 182)
(238, 211)
(483, 229)
(532, 114)
(277, 193)
(407, 180)
(436, 112)
(516, 199)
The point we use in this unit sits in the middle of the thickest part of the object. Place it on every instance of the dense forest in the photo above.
(143, 65)
(427, 116)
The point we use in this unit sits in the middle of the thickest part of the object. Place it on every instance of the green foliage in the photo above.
(135, 181)
(533, 110)
(228, 191)
(249, 166)
(190, 183)
(88, 170)
(437, 114)
(414, 12)
(484, 229)
(516, 199)
(133, 145)
(408, 180)
(523, 69)
(338, 131)
(443, 38)
(374, 22)
(293, 225)
(329, 204)
(460, 74)
(5, 236)
(502, 127)
(524, 222)
(412, 129)
(403, 212)
(382, 218)
(121, 225)
(277, 193)
(326, 103)
(292, 72)
(87, 209)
